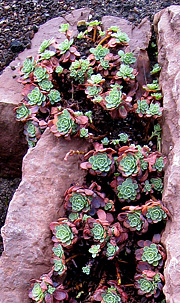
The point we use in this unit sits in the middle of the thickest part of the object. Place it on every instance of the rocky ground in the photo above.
(19, 21)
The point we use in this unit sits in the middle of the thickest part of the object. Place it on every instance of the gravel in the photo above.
(20, 20)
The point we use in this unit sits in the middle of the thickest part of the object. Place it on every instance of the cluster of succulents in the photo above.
(68, 93)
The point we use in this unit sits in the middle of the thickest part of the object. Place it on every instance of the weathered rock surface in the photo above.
(12, 142)
(37, 202)
(167, 25)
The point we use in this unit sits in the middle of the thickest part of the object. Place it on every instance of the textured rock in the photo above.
(167, 25)
(37, 202)
(12, 142)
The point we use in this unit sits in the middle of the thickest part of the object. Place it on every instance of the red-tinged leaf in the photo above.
(149, 273)
(110, 218)
(48, 298)
(60, 295)
(122, 112)
(73, 49)
(81, 120)
(72, 57)
(88, 192)
(156, 238)
(27, 89)
(43, 286)
(101, 214)
(85, 165)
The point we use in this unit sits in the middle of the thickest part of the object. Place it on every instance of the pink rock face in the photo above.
(37, 202)
(167, 25)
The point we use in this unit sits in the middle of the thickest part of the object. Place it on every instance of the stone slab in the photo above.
(167, 26)
(37, 202)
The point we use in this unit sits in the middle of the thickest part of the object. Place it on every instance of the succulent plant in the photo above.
(105, 141)
(31, 129)
(64, 27)
(94, 250)
(147, 187)
(154, 87)
(79, 68)
(159, 164)
(40, 73)
(128, 165)
(127, 58)
(73, 216)
(86, 269)
(154, 110)
(65, 122)
(111, 250)
(123, 137)
(96, 79)
(104, 64)
(99, 52)
(58, 250)
(46, 85)
(134, 219)
(28, 67)
(59, 69)
(100, 162)
(142, 107)
(151, 254)
(98, 232)
(157, 96)
(121, 38)
(93, 91)
(59, 266)
(156, 69)
(79, 202)
(149, 283)
(36, 97)
(84, 133)
(156, 214)
(157, 184)
(22, 112)
(127, 191)
(113, 99)
(125, 72)
(45, 44)
(37, 293)
(54, 96)
(43, 290)
(46, 55)
(64, 232)
(111, 296)
(65, 46)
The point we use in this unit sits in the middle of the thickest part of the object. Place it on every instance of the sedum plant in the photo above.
(40, 73)
(36, 97)
(149, 283)
(127, 58)
(127, 190)
(94, 250)
(99, 52)
(28, 67)
(54, 96)
(22, 112)
(125, 72)
(64, 232)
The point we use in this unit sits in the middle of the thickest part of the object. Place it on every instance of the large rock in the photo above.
(13, 145)
(37, 202)
(167, 25)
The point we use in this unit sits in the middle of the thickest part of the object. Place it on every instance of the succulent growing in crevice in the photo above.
(127, 58)
(40, 73)
(157, 184)
(100, 160)
(28, 67)
(111, 250)
(128, 162)
(112, 294)
(64, 232)
(36, 97)
(149, 283)
(126, 72)
(150, 253)
(133, 219)
(127, 189)
(22, 112)
(155, 211)
(54, 96)
(94, 250)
